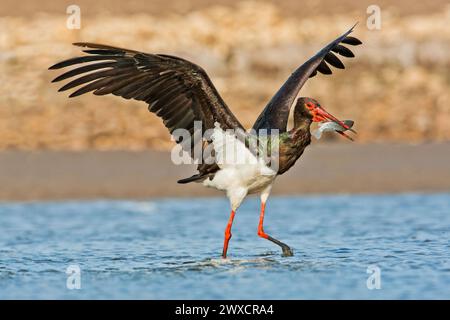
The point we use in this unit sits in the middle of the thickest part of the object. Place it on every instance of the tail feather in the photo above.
(195, 177)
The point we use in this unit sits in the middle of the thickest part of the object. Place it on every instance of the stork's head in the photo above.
(312, 110)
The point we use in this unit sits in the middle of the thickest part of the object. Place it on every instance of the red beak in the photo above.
(345, 135)
(321, 115)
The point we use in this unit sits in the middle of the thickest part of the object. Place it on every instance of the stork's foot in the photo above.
(287, 251)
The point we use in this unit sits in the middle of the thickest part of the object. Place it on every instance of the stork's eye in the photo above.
(310, 106)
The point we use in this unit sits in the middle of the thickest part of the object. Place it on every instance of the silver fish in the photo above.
(333, 126)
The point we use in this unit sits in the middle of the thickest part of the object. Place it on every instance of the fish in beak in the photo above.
(333, 126)
(328, 122)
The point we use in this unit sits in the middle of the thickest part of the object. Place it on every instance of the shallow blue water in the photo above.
(170, 249)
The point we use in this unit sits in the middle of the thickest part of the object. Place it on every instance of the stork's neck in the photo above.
(301, 126)
(293, 143)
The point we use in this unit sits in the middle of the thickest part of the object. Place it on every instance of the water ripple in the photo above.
(171, 248)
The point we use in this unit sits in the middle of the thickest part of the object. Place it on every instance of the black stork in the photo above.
(180, 92)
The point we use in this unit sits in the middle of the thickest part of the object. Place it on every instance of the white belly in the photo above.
(253, 178)
(237, 182)
(240, 173)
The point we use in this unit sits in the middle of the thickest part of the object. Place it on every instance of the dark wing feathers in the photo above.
(324, 68)
(343, 51)
(77, 60)
(313, 74)
(83, 69)
(276, 113)
(180, 92)
(334, 61)
(175, 89)
(352, 41)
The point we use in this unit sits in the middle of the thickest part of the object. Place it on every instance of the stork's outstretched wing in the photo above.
(178, 91)
(276, 113)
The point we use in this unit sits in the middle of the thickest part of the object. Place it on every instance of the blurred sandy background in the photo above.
(396, 89)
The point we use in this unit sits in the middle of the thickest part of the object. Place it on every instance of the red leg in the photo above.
(261, 232)
(227, 235)
(286, 250)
